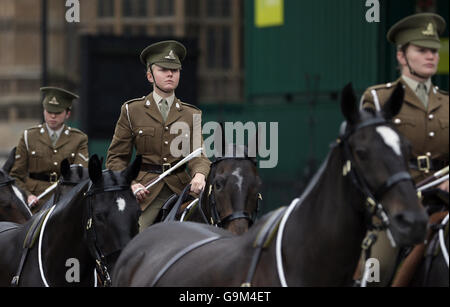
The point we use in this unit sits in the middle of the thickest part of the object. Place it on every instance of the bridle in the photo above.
(91, 234)
(373, 205)
(215, 218)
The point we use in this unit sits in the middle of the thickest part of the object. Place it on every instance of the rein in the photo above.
(372, 204)
(91, 235)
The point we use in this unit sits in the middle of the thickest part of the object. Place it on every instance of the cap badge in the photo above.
(429, 31)
(54, 101)
(171, 56)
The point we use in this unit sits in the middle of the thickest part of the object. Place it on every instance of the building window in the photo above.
(218, 44)
(105, 8)
(192, 8)
(134, 8)
(164, 30)
(134, 30)
(218, 8)
(165, 8)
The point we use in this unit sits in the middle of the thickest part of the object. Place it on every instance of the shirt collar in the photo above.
(413, 83)
(58, 132)
(158, 99)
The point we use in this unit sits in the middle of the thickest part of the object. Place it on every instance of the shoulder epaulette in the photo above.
(36, 127)
(389, 85)
(190, 105)
(441, 91)
(72, 129)
(134, 100)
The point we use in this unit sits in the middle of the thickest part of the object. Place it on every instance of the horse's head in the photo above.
(13, 207)
(375, 157)
(113, 213)
(233, 190)
(71, 175)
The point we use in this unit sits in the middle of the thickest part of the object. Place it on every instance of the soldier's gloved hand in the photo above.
(444, 186)
(198, 183)
(32, 201)
(139, 191)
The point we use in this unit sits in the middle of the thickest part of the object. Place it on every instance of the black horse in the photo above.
(13, 206)
(316, 241)
(83, 234)
(231, 196)
(71, 175)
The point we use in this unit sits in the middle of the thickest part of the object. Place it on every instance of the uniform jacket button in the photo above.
(166, 128)
(55, 163)
(55, 151)
(431, 116)
(398, 121)
(166, 143)
(432, 134)
(165, 159)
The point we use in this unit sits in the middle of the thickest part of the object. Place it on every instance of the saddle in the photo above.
(262, 241)
(7, 226)
(407, 270)
(30, 239)
(169, 211)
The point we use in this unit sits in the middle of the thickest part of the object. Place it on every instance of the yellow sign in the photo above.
(444, 58)
(269, 13)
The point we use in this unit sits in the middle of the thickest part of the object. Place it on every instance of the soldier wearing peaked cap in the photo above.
(42, 148)
(424, 116)
(146, 124)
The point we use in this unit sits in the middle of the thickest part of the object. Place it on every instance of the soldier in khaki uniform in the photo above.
(146, 124)
(42, 148)
(424, 116)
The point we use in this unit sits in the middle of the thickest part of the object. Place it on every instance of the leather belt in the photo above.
(159, 169)
(53, 177)
(425, 164)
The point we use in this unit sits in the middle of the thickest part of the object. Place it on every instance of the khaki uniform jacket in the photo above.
(426, 129)
(142, 127)
(36, 154)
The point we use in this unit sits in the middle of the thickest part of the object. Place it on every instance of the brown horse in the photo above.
(231, 196)
(316, 241)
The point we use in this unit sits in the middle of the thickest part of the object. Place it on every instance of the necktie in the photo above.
(164, 108)
(54, 138)
(421, 92)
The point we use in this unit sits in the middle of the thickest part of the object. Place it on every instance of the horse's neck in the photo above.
(325, 226)
(67, 219)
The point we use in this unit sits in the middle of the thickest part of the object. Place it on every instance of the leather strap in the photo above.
(159, 169)
(44, 177)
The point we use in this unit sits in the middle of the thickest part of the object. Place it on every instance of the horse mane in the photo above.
(71, 196)
(7, 166)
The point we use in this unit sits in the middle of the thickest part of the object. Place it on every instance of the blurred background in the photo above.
(255, 61)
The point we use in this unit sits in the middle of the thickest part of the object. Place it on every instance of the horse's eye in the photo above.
(218, 186)
(219, 183)
(362, 153)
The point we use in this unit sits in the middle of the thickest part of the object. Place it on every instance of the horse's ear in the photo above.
(10, 162)
(65, 168)
(349, 104)
(393, 106)
(95, 168)
(132, 171)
